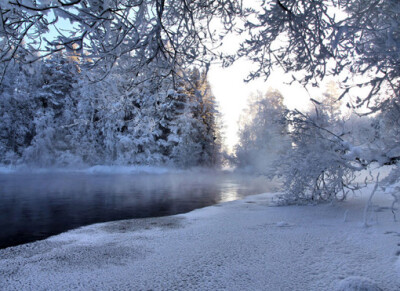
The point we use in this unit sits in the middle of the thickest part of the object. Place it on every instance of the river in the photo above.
(34, 206)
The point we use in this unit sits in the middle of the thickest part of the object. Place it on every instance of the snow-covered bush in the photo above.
(315, 168)
(327, 155)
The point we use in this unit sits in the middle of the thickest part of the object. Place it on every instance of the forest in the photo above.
(51, 115)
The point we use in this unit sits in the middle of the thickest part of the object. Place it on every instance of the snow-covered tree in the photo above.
(17, 106)
(316, 168)
(355, 41)
(195, 136)
(55, 111)
(184, 138)
(168, 33)
(330, 101)
(316, 39)
(262, 133)
(327, 154)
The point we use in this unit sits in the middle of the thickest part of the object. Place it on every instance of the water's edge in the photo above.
(34, 206)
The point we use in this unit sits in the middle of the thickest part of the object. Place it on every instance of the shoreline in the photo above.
(244, 244)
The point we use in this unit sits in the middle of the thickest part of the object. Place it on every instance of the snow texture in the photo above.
(239, 245)
(356, 283)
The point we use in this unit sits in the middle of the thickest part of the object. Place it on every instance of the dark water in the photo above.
(36, 206)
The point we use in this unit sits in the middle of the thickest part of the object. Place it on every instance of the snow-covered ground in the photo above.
(239, 245)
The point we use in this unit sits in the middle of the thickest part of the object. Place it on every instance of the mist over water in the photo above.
(36, 206)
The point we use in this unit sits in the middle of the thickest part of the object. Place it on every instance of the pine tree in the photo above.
(55, 107)
(16, 109)
(205, 112)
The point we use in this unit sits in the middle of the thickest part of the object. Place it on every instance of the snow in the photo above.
(356, 283)
(282, 224)
(248, 244)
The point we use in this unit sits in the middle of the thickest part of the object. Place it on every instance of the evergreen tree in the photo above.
(55, 106)
(17, 105)
(206, 130)
(54, 115)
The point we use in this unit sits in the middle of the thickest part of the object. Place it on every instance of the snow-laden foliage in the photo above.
(315, 39)
(168, 33)
(358, 42)
(318, 166)
(52, 115)
(262, 132)
(311, 39)
(328, 152)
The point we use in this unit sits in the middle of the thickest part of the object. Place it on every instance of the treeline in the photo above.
(54, 113)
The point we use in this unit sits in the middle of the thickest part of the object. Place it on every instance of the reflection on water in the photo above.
(231, 192)
(35, 206)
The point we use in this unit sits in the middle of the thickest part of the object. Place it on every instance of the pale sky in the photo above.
(232, 92)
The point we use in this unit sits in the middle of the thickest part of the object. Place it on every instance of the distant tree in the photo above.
(262, 132)
(330, 100)
(205, 111)
(184, 138)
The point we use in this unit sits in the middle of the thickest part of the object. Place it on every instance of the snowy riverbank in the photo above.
(240, 245)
